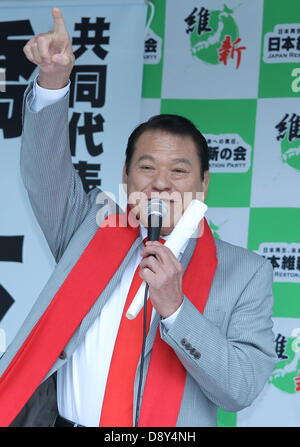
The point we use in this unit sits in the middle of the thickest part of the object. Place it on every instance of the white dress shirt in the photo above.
(82, 380)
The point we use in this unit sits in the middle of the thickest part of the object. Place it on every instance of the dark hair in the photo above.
(176, 125)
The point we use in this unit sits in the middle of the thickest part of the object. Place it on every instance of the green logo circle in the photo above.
(205, 46)
(290, 152)
(286, 370)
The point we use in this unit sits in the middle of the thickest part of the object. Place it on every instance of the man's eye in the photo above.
(146, 167)
(179, 171)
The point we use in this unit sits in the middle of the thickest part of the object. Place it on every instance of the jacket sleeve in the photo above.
(55, 190)
(231, 368)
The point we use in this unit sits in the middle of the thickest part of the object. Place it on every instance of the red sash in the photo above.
(87, 279)
(117, 407)
(166, 375)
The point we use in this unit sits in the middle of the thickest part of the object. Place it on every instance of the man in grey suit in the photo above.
(226, 351)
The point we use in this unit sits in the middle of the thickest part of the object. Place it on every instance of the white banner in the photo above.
(108, 43)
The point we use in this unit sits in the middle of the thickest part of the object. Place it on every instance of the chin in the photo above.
(165, 231)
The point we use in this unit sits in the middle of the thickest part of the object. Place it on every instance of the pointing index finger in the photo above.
(59, 24)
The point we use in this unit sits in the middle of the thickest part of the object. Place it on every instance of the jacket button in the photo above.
(197, 355)
(193, 351)
(184, 341)
(188, 346)
(62, 355)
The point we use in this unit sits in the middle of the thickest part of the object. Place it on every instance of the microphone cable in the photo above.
(142, 358)
(156, 210)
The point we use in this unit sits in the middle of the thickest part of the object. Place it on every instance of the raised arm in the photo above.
(55, 190)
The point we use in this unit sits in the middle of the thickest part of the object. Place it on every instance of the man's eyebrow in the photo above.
(145, 157)
(174, 160)
(182, 160)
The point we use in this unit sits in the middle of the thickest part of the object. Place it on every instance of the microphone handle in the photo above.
(154, 227)
(153, 234)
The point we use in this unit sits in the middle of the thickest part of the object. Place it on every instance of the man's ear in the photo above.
(124, 175)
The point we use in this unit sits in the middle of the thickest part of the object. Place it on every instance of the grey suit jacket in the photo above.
(234, 334)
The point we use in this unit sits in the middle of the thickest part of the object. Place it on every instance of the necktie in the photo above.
(117, 408)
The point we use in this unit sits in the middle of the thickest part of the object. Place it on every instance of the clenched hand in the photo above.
(163, 272)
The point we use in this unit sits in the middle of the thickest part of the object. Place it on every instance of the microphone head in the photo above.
(157, 207)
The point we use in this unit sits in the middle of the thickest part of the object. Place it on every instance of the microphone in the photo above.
(184, 229)
(156, 211)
